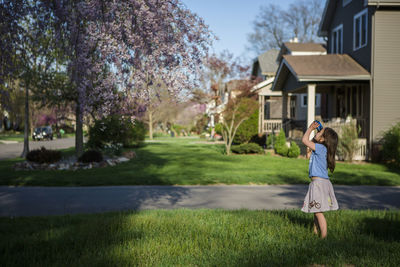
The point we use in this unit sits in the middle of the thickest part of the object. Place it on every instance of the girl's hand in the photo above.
(314, 125)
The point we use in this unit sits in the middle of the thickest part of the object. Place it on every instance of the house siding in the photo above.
(345, 15)
(386, 65)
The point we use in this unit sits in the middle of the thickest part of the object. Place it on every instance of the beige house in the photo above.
(359, 76)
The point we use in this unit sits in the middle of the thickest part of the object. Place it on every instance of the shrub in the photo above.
(280, 146)
(218, 128)
(260, 140)
(250, 148)
(115, 129)
(201, 124)
(247, 129)
(348, 141)
(112, 149)
(391, 145)
(43, 155)
(271, 140)
(91, 156)
(294, 150)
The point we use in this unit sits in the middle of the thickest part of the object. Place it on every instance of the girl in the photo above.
(320, 196)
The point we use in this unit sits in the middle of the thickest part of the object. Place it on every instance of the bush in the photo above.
(218, 128)
(250, 148)
(260, 140)
(115, 129)
(294, 150)
(348, 141)
(91, 156)
(280, 146)
(201, 124)
(271, 140)
(247, 129)
(391, 145)
(43, 155)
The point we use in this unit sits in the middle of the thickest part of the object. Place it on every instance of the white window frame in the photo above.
(317, 100)
(359, 16)
(346, 2)
(334, 31)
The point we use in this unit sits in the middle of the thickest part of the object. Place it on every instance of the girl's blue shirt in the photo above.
(318, 162)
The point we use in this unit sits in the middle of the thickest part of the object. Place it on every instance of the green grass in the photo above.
(182, 161)
(201, 238)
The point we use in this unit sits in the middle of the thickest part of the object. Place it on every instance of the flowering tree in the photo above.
(124, 46)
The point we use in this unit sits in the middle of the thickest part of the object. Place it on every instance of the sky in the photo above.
(231, 21)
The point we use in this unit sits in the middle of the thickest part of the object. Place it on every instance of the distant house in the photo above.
(270, 103)
(359, 76)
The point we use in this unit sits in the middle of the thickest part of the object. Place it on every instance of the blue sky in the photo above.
(231, 21)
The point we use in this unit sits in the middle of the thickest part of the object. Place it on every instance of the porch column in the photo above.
(310, 105)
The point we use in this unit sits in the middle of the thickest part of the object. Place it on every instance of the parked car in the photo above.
(41, 133)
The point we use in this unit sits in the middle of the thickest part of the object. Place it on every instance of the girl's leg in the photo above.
(316, 226)
(322, 224)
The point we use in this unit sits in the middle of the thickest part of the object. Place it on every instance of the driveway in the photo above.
(14, 150)
(34, 201)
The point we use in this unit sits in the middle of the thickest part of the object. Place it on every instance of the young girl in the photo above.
(320, 196)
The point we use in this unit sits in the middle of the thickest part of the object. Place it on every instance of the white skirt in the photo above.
(320, 197)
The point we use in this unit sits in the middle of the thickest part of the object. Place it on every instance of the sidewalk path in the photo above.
(33, 201)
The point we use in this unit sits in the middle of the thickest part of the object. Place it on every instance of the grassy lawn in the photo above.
(201, 238)
(183, 161)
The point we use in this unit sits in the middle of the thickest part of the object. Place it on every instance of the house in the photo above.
(270, 103)
(358, 76)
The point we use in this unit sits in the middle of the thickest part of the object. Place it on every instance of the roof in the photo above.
(264, 88)
(300, 49)
(384, 2)
(332, 65)
(305, 47)
(267, 61)
(319, 68)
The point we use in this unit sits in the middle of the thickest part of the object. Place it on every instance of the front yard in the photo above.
(201, 238)
(184, 161)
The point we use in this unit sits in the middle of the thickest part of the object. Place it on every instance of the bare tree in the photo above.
(268, 30)
(273, 26)
(238, 109)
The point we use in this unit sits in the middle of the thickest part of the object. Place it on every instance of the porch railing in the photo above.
(361, 153)
(336, 124)
(272, 125)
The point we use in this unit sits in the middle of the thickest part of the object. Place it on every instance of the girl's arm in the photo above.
(306, 136)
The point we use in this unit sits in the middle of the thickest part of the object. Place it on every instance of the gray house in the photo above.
(359, 75)
(270, 103)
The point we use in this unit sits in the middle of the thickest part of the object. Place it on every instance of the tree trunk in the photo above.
(150, 125)
(79, 131)
(26, 127)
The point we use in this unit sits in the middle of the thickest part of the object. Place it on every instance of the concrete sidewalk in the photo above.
(34, 201)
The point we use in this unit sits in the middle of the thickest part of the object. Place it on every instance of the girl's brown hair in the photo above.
(331, 142)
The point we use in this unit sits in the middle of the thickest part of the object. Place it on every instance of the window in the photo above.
(304, 100)
(293, 107)
(360, 29)
(346, 2)
(337, 40)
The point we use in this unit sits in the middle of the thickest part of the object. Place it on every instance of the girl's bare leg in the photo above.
(316, 226)
(322, 224)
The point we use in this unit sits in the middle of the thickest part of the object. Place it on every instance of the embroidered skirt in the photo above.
(320, 197)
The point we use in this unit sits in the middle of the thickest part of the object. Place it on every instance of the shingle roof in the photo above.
(332, 65)
(267, 61)
(305, 47)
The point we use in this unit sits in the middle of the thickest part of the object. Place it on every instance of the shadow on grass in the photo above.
(69, 241)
